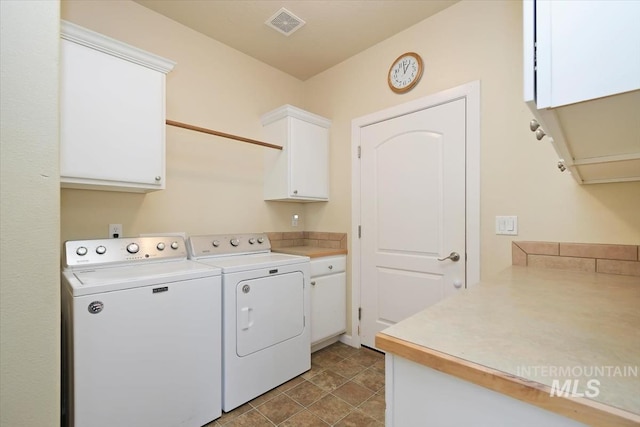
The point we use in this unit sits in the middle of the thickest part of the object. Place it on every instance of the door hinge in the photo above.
(359, 231)
(359, 151)
(359, 313)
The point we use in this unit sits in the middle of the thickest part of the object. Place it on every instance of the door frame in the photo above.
(469, 91)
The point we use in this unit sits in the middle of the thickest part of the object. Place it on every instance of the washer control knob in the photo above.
(261, 240)
(174, 245)
(133, 248)
(100, 250)
(160, 246)
(252, 241)
(82, 251)
(216, 243)
(234, 242)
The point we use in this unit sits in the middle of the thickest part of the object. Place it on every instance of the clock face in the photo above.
(405, 72)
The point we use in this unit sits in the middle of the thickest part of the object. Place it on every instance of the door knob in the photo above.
(453, 256)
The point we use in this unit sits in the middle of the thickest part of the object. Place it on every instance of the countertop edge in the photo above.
(580, 409)
(310, 251)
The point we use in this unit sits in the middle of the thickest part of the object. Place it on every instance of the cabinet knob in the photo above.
(561, 166)
(295, 191)
(313, 283)
(158, 178)
(534, 125)
(540, 134)
(331, 267)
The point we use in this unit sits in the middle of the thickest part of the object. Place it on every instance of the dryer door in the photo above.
(269, 310)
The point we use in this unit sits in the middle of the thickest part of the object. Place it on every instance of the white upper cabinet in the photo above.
(300, 172)
(112, 114)
(582, 83)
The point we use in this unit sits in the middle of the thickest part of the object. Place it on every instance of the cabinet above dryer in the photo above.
(112, 113)
(582, 84)
(300, 172)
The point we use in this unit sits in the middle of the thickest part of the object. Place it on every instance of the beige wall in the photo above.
(474, 40)
(29, 215)
(214, 185)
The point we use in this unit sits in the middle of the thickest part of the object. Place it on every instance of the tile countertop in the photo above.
(511, 332)
(310, 251)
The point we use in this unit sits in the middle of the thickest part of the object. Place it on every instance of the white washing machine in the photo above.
(141, 334)
(265, 313)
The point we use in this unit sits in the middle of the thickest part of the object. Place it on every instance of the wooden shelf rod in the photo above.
(222, 134)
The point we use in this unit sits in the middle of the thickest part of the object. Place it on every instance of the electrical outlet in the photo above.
(294, 220)
(115, 231)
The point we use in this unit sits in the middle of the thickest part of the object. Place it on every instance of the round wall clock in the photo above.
(405, 72)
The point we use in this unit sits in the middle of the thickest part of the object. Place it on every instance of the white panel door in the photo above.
(412, 213)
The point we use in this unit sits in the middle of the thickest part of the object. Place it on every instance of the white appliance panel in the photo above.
(265, 313)
(88, 281)
(247, 377)
(238, 263)
(149, 358)
(269, 310)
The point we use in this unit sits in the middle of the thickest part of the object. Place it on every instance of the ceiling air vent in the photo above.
(285, 22)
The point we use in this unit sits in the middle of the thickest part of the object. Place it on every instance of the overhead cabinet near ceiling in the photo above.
(300, 172)
(112, 113)
(582, 83)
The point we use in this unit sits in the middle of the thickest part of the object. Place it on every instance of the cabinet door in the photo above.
(308, 161)
(586, 50)
(112, 120)
(328, 306)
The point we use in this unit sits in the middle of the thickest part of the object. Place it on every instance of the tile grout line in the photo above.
(326, 368)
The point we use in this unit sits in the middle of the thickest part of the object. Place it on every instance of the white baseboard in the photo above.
(348, 340)
(322, 344)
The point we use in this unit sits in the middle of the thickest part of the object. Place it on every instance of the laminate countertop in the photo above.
(519, 332)
(310, 251)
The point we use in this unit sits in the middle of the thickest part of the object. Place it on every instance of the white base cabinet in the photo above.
(328, 297)
(300, 172)
(112, 114)
(418, 396)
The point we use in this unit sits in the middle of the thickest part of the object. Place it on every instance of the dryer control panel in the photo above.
(228, 244)
(101, 252)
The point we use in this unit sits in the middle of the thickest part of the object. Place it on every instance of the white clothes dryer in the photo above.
(265, 313)
(141, 334)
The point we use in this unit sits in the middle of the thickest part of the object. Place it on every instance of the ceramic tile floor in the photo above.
(345, 387)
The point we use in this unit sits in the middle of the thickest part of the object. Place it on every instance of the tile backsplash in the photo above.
(589, 257)
(308, 238)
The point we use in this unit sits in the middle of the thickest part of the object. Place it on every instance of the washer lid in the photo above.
(91, 281)
(235, 263)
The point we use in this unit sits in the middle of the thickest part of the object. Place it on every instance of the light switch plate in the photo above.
(507, 225)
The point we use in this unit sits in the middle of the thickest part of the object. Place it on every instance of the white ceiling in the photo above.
(334, 31)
